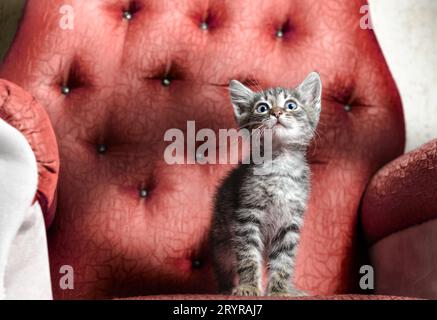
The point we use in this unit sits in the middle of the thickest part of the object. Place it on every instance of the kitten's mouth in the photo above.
(279, 124)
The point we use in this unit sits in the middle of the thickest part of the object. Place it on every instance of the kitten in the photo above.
(257, 218)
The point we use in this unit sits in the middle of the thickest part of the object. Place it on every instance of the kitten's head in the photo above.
(292, 114)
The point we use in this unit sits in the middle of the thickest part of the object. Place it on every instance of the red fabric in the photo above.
(122, 245)
(402, 194)
(404, 262)
(222, 297)
(21, 111)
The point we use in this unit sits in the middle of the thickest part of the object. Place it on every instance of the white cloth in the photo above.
(24, 264)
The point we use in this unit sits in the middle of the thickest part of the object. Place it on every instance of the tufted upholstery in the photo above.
(129, 70)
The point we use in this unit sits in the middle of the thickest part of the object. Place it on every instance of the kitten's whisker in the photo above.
(258, 86)
(248, 124)
(316, 137)
(256, 130)
(255, 84)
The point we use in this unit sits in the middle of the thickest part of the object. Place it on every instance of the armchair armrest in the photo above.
(402, 194)
(399, 218)
(20, 110)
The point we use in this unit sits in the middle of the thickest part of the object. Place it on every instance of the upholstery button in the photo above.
(204, 25)
(102, 148)
(166, 82)
(196, 264)
(200, 156)
(127, 15)
(143, 193)
(280, 33)
(348, 108)
(65, 90)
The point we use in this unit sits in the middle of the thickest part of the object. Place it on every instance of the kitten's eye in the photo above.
(262, 108)
(290, 105)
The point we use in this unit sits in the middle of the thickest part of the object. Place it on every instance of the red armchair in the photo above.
(128, 223)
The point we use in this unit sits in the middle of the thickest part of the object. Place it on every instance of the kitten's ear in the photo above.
(241, 96)
(310, 92)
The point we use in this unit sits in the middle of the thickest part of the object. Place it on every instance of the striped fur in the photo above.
(257, 219)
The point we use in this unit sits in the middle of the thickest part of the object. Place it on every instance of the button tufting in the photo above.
(204, 25)
(196, 264)
(65, 90)
(200, 156)
(166, 82)
(280, 33)
(102, 148)
(127, 15)
(143, 193)
(348, 108)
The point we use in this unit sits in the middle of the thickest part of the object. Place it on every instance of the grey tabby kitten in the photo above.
(257, 218)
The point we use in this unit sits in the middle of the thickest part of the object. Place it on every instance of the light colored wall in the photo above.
(407, 32)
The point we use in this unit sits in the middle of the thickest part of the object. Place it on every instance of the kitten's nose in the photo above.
(276, 112)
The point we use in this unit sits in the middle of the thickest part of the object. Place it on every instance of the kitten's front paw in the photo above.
(298, 293)
(291, 293)
(246, 290)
